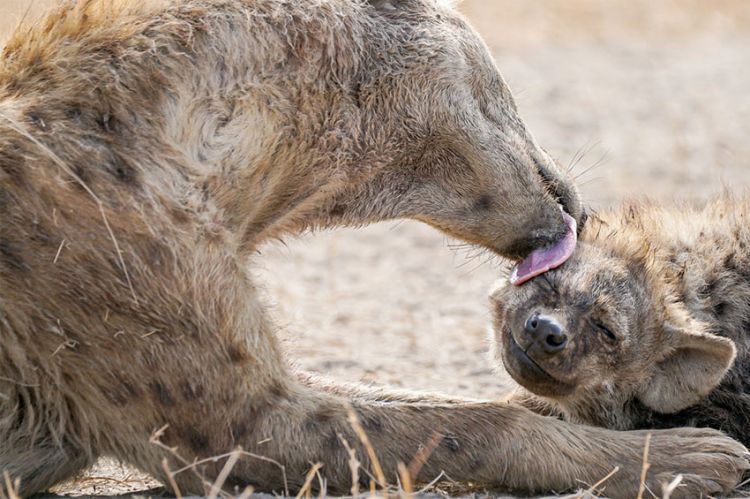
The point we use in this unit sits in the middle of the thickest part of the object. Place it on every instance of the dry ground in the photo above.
(655, 93)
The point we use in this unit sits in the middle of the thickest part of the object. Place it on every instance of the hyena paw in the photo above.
(708, 461)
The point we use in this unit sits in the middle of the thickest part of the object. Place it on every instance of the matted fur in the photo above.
(146, 152)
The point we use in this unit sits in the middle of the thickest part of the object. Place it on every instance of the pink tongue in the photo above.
(541, 260)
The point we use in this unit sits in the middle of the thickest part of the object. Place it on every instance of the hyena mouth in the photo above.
(560, 190)
(541, 260)
(531, 375)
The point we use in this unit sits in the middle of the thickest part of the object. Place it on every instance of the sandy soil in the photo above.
(653, 94)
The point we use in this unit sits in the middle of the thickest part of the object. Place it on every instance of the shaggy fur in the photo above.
(656, 305)
(146, 152)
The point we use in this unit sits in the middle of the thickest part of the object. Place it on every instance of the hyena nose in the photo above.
(546, 332)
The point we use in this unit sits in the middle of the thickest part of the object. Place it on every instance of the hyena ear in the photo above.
(695, 365)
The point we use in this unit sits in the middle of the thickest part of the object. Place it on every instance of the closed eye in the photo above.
(606, 331)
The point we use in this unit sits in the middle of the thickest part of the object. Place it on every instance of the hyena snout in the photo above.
(545, 333)
(562, 189)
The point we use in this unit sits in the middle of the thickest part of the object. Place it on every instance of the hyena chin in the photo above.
(646, 326)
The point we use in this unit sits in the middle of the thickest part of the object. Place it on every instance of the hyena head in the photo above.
(459, 157)
(602, 337)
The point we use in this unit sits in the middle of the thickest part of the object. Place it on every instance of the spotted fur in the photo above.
(146, 151)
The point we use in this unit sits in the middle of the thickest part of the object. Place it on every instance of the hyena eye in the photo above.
(605, 331)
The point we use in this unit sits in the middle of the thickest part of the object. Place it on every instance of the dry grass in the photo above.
(11, 487)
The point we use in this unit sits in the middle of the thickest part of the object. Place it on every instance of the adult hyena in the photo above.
(145, 152)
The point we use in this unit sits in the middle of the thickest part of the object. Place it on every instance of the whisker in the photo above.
(597, 164)
(590, 181)
(581, 153)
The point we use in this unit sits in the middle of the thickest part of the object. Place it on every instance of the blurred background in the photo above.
(643, 97)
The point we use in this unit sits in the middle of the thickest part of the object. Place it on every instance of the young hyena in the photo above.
(146, 152)
(646, 326)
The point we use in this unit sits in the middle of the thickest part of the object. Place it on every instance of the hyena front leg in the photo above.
(213, 378)
(490, 444)
(375, 393)
(39, 467)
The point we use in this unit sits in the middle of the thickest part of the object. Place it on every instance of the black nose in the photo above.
(546, 332)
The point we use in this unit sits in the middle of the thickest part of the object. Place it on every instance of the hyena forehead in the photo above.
(589, 272)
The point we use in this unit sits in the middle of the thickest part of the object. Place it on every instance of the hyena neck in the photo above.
(725, 408)
(184, 92)
(599, 407)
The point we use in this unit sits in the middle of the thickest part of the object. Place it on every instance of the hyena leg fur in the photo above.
(43, 465)
(494, 444)
(242, 394)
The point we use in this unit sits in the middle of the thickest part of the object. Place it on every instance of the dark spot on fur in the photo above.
(40, 235)
(122, 170)
(121, 394)
(222, 121)
(13, 162)
(321, 418)
(82, 173)
(255, 412)
(729, 262)
(114, 397)
(338, 210)
(196, 441)
(237, 354)
(370, 422)
(476, 464)
(130, 390)
(179, 215)
(323, 424)
(719, 309)
(4, 200)
(155, 253)
(74, 114)
(239, 431)
(107, 123)
(450, 442)
(332, 441)
(278, 390)
(483, 203)
(162, 394)
(355, 92)
(458, 22)
(191, 392)
(11, 256)
(36, 120)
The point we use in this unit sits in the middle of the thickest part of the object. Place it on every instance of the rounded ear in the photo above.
(692, 369)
